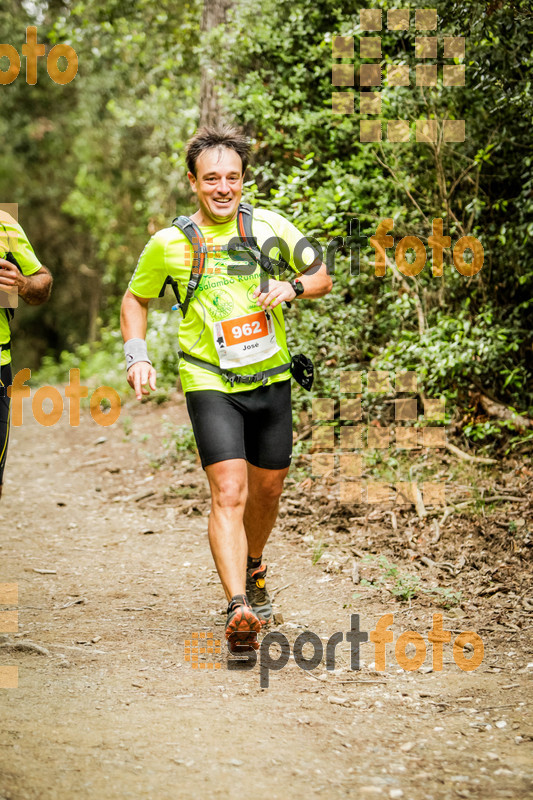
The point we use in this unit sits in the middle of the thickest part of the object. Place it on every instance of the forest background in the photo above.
(97, 166)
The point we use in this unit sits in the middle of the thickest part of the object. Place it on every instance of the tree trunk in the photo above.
(214, 14)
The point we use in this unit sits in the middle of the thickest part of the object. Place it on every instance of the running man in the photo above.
(20, 273)
(234, 365)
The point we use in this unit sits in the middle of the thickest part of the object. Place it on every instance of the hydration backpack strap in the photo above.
(193, 234)
(244, 229)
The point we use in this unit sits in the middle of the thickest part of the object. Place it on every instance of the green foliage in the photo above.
(458, 348)
(448, 597)
(98, 166)
(179, 439)
(103, 362)
(127, 425)
(405, 586)
(318, 551)
(400, 584)
(310, 165)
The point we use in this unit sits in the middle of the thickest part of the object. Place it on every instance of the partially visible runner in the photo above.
(242, 420)
(22, 273)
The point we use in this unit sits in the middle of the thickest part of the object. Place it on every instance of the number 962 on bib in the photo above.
(245, 340)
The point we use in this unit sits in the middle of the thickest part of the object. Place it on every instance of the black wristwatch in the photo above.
(297, 286)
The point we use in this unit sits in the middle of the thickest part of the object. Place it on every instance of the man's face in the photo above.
(218, 184)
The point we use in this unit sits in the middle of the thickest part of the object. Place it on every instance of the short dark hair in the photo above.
(207, 138)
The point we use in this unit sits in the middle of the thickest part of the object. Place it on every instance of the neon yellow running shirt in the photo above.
(222, 298)
(14, 240)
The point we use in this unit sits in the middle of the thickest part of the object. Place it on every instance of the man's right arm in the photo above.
(133, 322)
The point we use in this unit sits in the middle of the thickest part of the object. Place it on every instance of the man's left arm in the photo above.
(33, 289)
(315, 280)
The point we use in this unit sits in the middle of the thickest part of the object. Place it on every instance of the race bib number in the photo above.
(245, 340)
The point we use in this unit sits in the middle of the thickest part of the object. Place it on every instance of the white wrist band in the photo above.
(135, 350)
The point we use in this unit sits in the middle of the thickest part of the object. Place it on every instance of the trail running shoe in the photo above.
(257, 593)
(242, 625)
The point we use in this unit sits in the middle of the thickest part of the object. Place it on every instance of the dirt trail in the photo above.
(114, 710)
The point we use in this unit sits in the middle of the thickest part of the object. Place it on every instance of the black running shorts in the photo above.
(255, 425)
(5, 401)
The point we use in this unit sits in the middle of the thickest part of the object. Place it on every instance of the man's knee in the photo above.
(269, 491)
(229, 493)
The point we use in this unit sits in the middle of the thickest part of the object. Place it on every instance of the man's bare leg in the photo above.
(262, 505)
(228, 481)
(227, 537)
